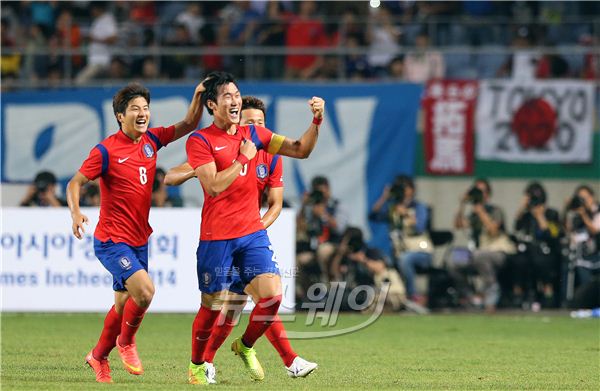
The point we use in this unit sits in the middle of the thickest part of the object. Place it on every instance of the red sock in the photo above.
(108, 338)
(132, 319)
(260, 319)
(221, 331)
(201, 330)
(278, 337)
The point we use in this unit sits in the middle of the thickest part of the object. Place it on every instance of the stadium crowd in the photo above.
(47, 43)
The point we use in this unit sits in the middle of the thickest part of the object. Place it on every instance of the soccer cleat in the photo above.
(129, 357)
(100, 367)
(301, 368)
(248, 356)
(197, 373)
(211, 373)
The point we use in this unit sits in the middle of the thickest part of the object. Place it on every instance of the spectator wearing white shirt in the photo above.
(424, 63)
(102, 36)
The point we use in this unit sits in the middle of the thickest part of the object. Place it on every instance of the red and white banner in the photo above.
(537, 121)
(449, 107)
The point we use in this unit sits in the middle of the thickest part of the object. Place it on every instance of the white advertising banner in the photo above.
(537, 121)
(45, 268)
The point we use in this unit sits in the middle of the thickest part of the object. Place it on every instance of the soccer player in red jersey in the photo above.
(232, 237)
(125, 162)
(269, 175)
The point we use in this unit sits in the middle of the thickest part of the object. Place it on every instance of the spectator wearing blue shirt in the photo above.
(408, 222)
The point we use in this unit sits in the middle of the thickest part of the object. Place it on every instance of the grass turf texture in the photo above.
(459, 352)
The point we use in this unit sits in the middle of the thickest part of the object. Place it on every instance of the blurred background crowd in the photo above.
(62, 43)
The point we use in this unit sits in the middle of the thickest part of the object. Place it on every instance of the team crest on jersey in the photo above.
(125, 263)
(262, 171)
(148, 151)
(206, 278)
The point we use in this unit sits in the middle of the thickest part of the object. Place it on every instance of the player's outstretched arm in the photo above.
(275, 200)
(73, 195)
(180, 174)
(192, 118)
(213, 182)
(302, 148)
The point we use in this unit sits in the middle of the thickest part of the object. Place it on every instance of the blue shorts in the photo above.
(121, 260)
(231, 264)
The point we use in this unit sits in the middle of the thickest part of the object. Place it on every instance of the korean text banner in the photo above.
(45, 268)
(368, 135)
(537, 121)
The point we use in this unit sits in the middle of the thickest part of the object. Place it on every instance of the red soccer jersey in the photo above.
(233, 213)
(269, 172)
(126, 172)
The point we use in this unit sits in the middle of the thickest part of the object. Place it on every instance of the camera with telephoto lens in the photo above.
(536, 194)
(398, 192)
(475, 195)
(576, 203)
(316, 197)
(355, 239)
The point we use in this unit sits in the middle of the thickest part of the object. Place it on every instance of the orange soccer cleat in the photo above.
(129, 357)
(100, 367)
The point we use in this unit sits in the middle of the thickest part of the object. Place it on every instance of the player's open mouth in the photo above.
(140, 122)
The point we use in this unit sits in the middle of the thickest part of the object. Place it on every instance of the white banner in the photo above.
(538, 121)
(45, 268)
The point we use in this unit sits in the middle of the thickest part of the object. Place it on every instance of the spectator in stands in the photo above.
(356, 65)
(304, 30)
(383, 37)
(582, 223)
(320, 223)
(69, 36)
(396, 68)
(90, 194)
(10, 63)
(35, 64)
(537, 262)
(118, 69)
(488, 239)
(522, 64)
(192, 19)
(408, 220)
(175, 65)
(272, 33)
(42, 192)
(160, 193)
(102, 37)
(423, 63)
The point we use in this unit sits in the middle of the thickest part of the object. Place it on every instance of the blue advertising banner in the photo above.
(367, 138)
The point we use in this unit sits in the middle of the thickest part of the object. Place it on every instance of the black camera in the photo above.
(576, 203)
(536, 194)
(355, 239)
(397, 192)
(475, 195)
(316, 197)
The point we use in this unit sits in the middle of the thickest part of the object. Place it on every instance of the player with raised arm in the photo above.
(232, 236)
(125, 162)
(269, 175)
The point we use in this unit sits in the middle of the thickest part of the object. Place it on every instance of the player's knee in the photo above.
(144, 298)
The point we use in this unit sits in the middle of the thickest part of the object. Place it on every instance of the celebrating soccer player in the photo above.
(232, 236)
(269, 174)
(126, 164)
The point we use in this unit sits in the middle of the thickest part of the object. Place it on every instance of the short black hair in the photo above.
(43, 179)
(405, 180)
(586, 188)
(127, 93)
(252, 102)
(212, 82)
(319, 180)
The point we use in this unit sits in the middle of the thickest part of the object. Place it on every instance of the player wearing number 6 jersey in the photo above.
(232, 237)
(125, 162)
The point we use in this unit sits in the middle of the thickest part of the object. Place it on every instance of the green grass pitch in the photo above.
(449, 352)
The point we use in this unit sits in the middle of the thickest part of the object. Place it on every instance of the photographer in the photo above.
(356, 264)
(489, 242)
(582, 224)
(320, 222)
(537, 262)
(42, 192)
(407, 219)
